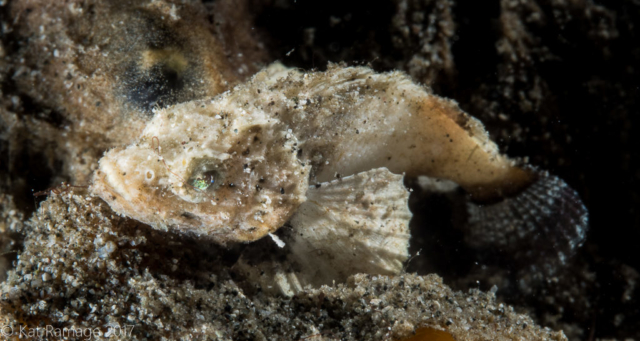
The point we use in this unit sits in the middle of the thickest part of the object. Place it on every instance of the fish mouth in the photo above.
(107, 180)
(115, 199)
(117, 181)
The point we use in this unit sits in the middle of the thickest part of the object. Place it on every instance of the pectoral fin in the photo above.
(357, 224)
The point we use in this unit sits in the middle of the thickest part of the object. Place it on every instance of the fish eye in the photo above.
(205, 180)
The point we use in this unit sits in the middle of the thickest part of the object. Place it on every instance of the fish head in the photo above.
(210, 168)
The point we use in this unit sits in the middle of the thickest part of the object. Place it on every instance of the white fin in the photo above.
(277, 240)
(267, 271)
(274, 73)
(436, 185)
(357, 224)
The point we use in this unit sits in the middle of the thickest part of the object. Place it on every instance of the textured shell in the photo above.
(546, 219)
(259, 181)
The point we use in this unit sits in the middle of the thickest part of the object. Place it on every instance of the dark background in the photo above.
(557, 83)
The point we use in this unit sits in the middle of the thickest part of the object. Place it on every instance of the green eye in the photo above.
(204, 180)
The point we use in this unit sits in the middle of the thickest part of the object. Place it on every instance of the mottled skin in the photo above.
(350, 120)
(312, 127)
(258, 179)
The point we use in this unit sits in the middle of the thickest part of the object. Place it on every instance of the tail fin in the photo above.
(547, 219)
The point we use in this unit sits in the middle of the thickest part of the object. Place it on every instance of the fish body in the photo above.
(266, 141)
(350, 120)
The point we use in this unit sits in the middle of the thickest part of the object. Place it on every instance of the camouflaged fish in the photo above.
(281, 148)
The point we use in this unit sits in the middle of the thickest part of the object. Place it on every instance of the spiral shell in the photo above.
(547, 218)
